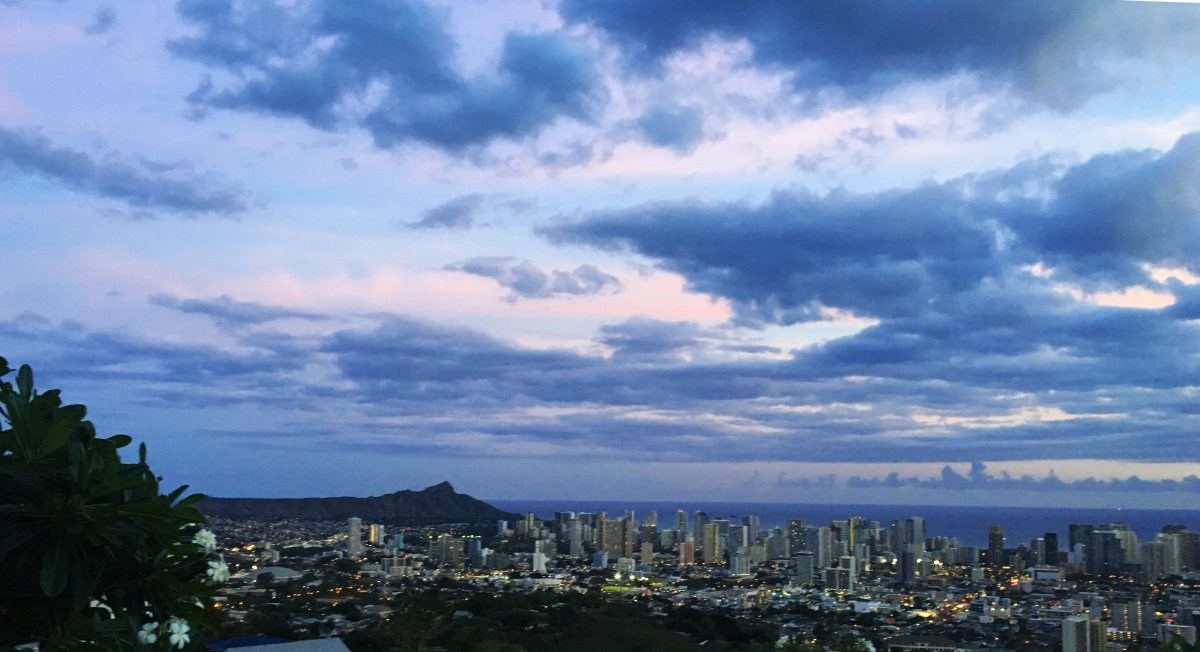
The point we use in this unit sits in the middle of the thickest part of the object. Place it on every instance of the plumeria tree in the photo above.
(92, 554)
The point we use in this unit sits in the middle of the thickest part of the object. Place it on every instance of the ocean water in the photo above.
(968, 524)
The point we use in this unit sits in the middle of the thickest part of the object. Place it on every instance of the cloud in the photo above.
(102, 22)
(798, 254)
(1116, 212)
(404, 359)
(145, 185)
(668, 390)
(69, 349)
(1056, 54)
(977, 478)
(678, 128)
(900, 253)
(457, 213)
(639, 337)
(232, 313)
(526, 280)
(311, 61)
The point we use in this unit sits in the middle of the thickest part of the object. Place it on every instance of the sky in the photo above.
(922, 251)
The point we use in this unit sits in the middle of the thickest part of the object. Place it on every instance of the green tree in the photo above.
(264, 580)
(92, 554)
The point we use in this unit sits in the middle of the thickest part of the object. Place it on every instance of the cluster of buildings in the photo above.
(1099, 590)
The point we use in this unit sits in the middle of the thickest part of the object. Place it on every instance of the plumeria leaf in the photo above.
(55, 569)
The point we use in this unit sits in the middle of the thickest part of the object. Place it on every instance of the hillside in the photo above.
(436, 504)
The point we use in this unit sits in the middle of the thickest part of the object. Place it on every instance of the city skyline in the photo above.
(935, 253)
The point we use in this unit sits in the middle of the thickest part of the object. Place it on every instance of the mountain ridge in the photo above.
(438, 503)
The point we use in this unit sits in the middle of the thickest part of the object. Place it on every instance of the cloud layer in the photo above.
(526, 280)
(1053, 54)
(674, 236)
(394, 61)
(145, 186)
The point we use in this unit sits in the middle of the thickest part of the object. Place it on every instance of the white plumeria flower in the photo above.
(96, 604)
(179, 633)
(148, 634)
(205, 539)
(218, 570)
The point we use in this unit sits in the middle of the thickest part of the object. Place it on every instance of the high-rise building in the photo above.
(354, 547)
(713, 547)
(600, 559)
(1155, 559)
(1128, 540)
(824, 547)
(651, 519)
(850, 563)
(1050, 548)
(598, 521)
(647, 553)
(914, 535)
(698, 528)
(739, 561)
(631, 536)
(906, 567)
(738, 537)
(449, 551)
(1078, 533)
(687, 553)
(777, 544)
(1075, 634)
(804, 574)
(377, 533)
(996, 546)
(753, 526)
(795, 534)
(575, 538)
(539, 563)
(681, 524)
(1127, 616)
(613, 542)
(1103, 555)
(1168, 632)
(1189, 546)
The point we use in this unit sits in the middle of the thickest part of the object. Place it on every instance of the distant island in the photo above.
(439, 503)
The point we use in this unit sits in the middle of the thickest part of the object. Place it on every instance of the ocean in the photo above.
(968, 524)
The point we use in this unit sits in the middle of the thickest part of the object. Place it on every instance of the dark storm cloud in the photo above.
(230, 312)
(457, 213)
(147, 186)
(1053, 53)
(307, 62)
(527, 281)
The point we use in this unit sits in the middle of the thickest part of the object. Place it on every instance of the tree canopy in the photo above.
(93, 554)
